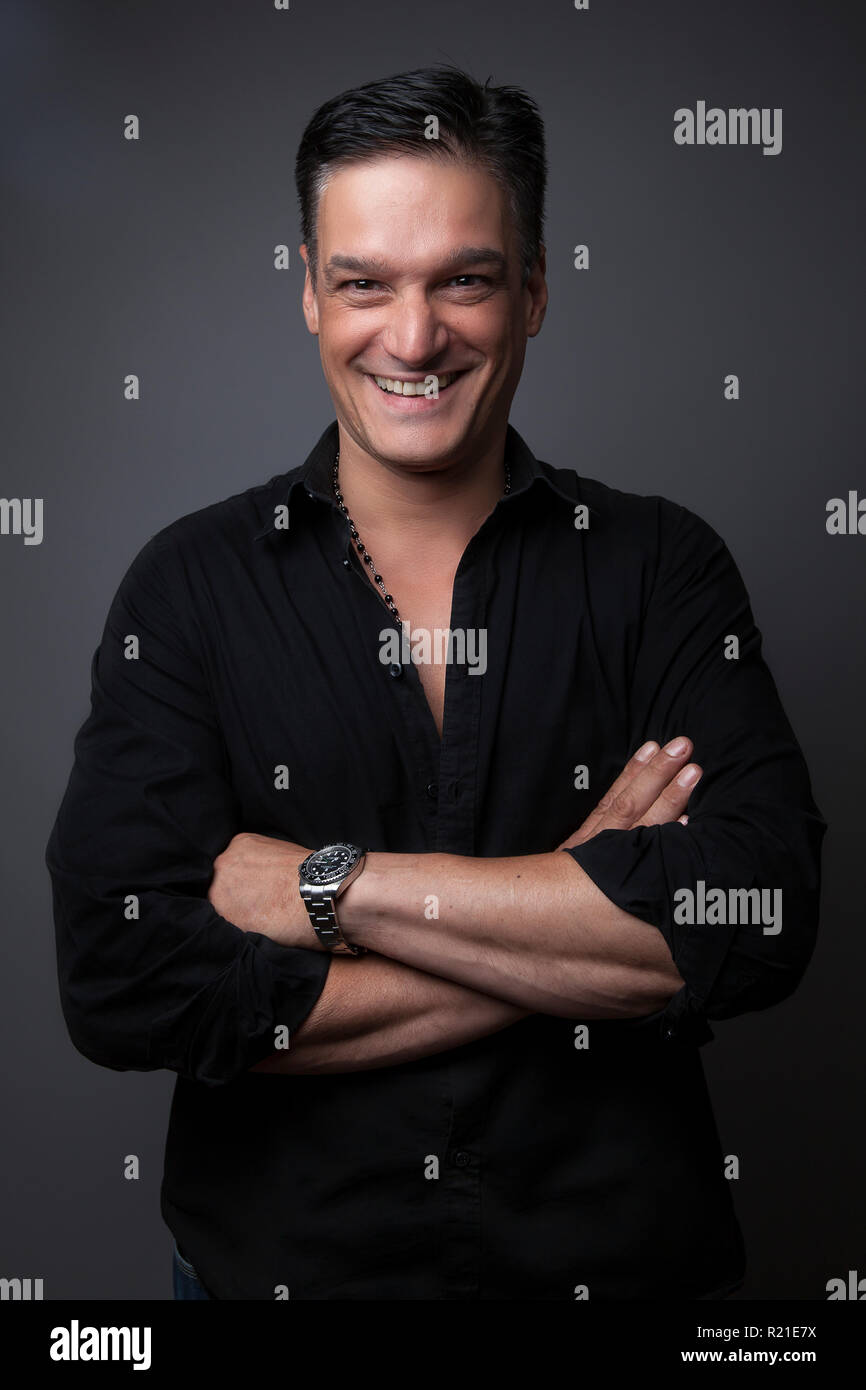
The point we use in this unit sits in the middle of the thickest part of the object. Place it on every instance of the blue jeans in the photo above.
(186, 1282)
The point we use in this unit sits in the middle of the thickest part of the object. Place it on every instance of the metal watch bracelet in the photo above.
(335, 866)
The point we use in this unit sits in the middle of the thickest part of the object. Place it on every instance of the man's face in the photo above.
(419, 275)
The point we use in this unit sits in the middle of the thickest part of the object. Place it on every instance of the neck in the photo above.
(431, 508)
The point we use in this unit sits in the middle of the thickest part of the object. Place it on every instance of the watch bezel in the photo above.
(334, 879)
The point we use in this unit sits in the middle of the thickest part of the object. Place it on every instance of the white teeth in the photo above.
(413, 388)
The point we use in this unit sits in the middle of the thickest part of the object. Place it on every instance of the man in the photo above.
(427, 932)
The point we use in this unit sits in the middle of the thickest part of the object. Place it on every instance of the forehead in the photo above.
(411, 204)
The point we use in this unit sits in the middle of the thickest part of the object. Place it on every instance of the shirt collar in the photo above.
(315, 475)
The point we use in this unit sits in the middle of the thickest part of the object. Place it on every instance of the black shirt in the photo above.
(561, 1166)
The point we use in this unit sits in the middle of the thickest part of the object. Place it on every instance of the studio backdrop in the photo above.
(703, 342)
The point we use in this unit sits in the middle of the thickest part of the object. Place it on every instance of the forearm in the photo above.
(375, 1012)
(531, 929)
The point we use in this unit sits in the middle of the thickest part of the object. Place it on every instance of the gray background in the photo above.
(156, 258)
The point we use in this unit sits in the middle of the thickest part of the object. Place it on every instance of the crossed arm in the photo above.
(460, 947)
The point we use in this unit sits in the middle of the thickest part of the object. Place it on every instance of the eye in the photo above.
(460, 282)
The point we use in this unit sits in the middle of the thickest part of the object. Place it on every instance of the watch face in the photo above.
(331, 863)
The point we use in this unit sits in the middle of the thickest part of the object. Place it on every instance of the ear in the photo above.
(308, 299)
(536, 289)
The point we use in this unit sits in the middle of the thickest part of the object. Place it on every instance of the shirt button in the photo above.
(432, 790)
(669, 1032)
(461, 1158)
(395, 669)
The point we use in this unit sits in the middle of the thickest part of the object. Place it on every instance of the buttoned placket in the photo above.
(446, 789)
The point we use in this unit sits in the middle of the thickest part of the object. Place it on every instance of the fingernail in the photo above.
(688, 776)
(644, 754)
(676, 746)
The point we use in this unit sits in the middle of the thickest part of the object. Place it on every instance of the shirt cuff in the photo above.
(217, 1035)
(639, 870)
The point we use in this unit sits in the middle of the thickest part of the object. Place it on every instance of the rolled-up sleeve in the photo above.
(753, 823)
(150, 975)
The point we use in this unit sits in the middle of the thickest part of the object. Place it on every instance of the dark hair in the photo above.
(497, 127)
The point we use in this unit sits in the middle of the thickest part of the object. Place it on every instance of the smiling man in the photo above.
(408, 930)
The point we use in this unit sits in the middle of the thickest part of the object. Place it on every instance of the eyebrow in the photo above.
(464, 255)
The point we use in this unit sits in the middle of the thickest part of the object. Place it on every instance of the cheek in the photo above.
(349, 327)
(500, 338)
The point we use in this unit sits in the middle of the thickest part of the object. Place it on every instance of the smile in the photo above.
(398, 386)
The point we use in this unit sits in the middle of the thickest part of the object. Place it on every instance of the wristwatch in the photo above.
(323, 876)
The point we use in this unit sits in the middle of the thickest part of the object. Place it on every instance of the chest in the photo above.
(326, 737)
(428, 613)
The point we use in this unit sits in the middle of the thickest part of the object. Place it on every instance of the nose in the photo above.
(414, 334)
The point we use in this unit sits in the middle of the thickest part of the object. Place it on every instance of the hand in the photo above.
(255, 886)
(650, 790)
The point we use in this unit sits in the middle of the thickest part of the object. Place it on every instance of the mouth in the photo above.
(403, 386)
(413, 394)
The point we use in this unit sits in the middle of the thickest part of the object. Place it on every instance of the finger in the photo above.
(657, 779)
(631, 769)
(671, 803)
(628, 806)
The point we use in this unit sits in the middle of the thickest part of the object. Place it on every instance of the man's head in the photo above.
(424, 257)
